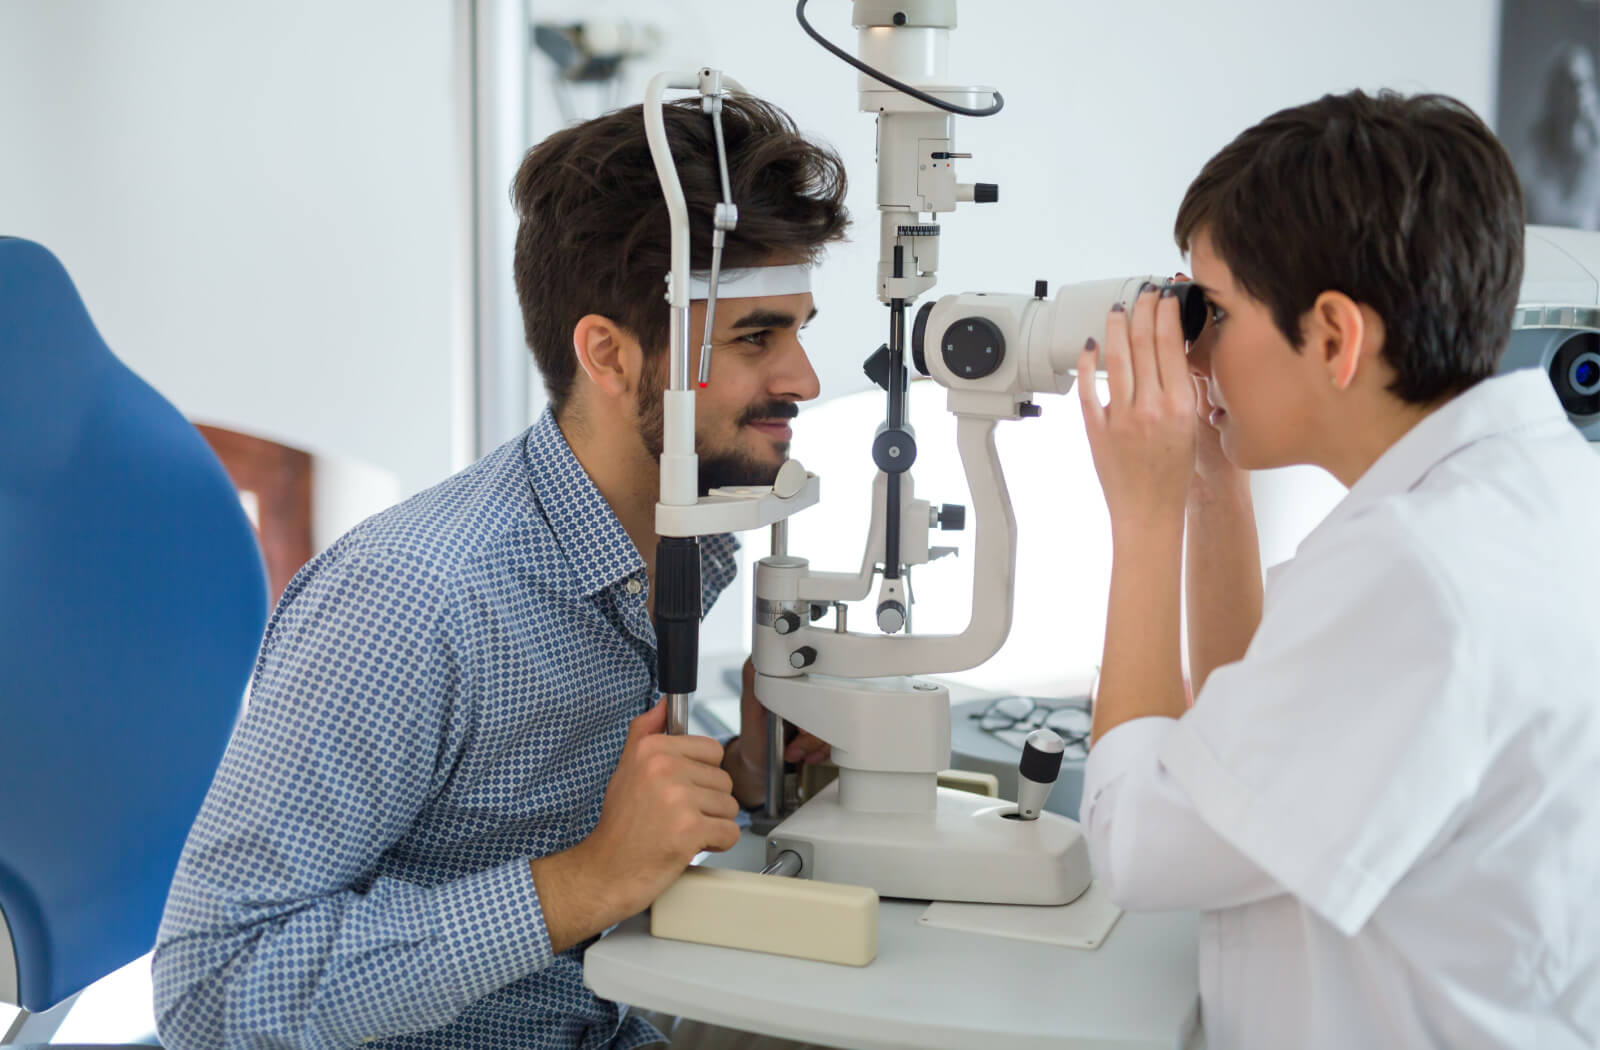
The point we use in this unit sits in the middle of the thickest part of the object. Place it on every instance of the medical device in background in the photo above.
(592, 53)
(1557, 325)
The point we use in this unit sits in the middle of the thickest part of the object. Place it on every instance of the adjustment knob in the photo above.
(919, 330)
(952, 517)
(973, 348)
(893, 451)
(804, 656)
(786, 623)
(876, 366)
(985, 192)
(891, 617)
(1042, 752)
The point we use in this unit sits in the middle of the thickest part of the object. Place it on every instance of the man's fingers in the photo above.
(709, 778)
(807, 748)
(720, 835)
(652, 721)
(700, 749)
(719, 805)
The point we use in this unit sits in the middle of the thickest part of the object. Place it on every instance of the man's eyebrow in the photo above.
(769, 319)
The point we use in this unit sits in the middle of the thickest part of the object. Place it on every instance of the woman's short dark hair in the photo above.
(1408, 205)
(593, 236)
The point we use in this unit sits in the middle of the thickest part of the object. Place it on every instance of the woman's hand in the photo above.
(1143, 439)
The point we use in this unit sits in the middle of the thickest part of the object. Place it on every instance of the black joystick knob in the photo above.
(1041, 764)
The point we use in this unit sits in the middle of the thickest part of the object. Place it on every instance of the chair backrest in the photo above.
(132, 600)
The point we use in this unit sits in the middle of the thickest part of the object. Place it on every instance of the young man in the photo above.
(1382, 799)
(451, 775)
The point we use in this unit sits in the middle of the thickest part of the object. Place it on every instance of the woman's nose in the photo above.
(1200, 353)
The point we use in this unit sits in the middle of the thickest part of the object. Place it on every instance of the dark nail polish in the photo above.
(1117, 308)
(1090, 344)
(1146, 287)
(1168, 291)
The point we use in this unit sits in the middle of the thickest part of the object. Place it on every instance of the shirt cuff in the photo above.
(1128, 745)
(493, 928)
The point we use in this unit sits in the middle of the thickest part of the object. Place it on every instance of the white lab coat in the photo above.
(1389, 810)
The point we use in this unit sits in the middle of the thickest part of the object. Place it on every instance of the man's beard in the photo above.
(719, 468)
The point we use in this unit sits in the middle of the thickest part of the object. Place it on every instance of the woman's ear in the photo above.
(1338, 333)
(608, 355)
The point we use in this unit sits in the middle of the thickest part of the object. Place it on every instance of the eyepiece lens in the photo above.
(1586, 373)
(1191, 309)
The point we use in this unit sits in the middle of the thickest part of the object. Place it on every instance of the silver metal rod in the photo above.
(678, 713)
(717, 239)
(722, 147)
(786, 863)
(678, 378)
(774, 807)
(780, 538)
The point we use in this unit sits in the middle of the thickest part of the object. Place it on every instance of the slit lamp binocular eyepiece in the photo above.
(1021, 344)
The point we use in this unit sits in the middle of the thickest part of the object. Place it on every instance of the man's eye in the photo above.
(755, 338)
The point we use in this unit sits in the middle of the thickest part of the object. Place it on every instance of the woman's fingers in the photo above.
(1094, 414)
(1142, 346)
(1117, 360)
(1172, 361)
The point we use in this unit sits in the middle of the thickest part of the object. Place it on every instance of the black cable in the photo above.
(919, 95)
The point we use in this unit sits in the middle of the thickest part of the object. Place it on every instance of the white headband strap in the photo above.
(752, 282)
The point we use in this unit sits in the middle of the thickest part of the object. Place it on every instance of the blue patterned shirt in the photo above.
(440, 696)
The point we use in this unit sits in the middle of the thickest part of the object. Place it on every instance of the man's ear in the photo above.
(608, 354)
(1342, 336)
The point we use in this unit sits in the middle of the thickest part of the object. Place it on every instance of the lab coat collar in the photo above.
(1495, 406)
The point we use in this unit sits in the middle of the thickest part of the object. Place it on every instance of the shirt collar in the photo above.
(585, 527)
(1500, 405)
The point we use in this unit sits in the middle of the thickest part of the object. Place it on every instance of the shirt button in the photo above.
(634, 586)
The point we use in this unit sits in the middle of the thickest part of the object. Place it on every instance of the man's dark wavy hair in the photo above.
(593, 236)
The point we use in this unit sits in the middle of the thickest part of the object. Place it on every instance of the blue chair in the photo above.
(132, 600)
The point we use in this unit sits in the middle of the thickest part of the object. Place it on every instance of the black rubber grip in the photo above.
(677, 602)
(1041, 767)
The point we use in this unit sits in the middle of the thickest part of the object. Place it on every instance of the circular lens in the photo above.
(1586, 374)
(1575, 373)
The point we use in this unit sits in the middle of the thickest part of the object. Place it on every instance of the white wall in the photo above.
(1111, 109)
(266, 207)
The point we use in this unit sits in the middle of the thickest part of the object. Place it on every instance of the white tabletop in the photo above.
(928, 987)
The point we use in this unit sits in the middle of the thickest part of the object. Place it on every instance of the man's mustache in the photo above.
(769, 410)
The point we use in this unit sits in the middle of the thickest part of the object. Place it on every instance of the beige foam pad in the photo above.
(826, 921)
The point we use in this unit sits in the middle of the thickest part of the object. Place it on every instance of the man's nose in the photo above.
(794, 377)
